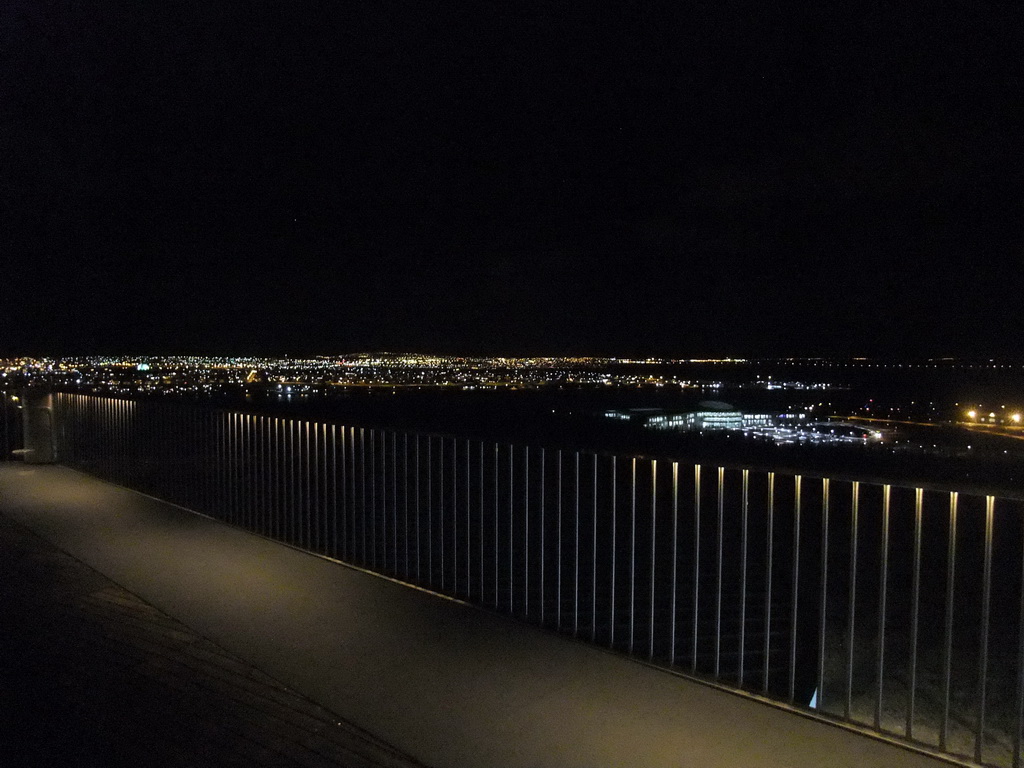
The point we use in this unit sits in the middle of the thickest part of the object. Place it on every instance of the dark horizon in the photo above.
(656, 181)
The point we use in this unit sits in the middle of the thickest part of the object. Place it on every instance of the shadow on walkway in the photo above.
(91, 675)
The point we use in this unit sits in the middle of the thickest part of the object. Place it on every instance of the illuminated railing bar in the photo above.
(430, 511)
(576, 547)
(654, 542)
(795, 586)
(559, 540)
(407, 536)
(593, 559)
(915, 608)
(632, 552)
(1018, 730)
(983, 630)
(334, 491)
(440, 505)
(720, 537)
(497, 580)
(823, 593)
(883, 579)
(526, 530)
(744, 514)
(614, 575)
(543, 551)
(511, 528)
(675, 561)
(362, 489)
(696, 566)
(481, 511)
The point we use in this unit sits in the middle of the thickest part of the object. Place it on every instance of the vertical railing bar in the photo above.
(823, 592)
(298, 479)
(275, 477)
(381, 512)
(526, 531)
(258, 473)
(430, 510)
(320, 451)
(654, 525)
(229, 465)
(696, 563)
(632, 552)
(882, 590)
(915, 604)
(346, 481)
(441, 503)
(293, 475)
(852, 599)
(744, 508)
(384, 500)
(316, 499)
(576, 555)
(986, 599)
(1018, 730)
(309, 488)
(419, 517)
(675, 561)
(406, 537)
(342, 529)
(252, 478)
(394, 502)
(558, 539)
(797, 485)
(429, 473)
(261, 443)
(362, 488)
(542, 523)
(593, 557)
(454, 553)
(469, 537)
(511, 528)
(720, 541)
(481, 478)
(322, 490)
(285, 480)
(273, 455)
(497, 580)
(334, 490)
(348, 492)
(300, 485)
(252, 423)
(611, 586)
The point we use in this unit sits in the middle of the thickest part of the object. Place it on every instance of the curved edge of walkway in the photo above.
(92, 675)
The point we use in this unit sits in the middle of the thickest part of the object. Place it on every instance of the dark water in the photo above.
(570, 418)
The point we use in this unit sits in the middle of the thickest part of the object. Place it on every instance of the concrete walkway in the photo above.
(92, 676)
(447, 683)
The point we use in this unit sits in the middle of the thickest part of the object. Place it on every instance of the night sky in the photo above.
(672, 179)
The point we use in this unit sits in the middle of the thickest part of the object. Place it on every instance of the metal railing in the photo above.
(897, 609)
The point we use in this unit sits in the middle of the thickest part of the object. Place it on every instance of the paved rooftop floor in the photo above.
(92, 675)
(137, 632)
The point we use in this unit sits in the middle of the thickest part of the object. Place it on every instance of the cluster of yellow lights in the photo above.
(1014, 417)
